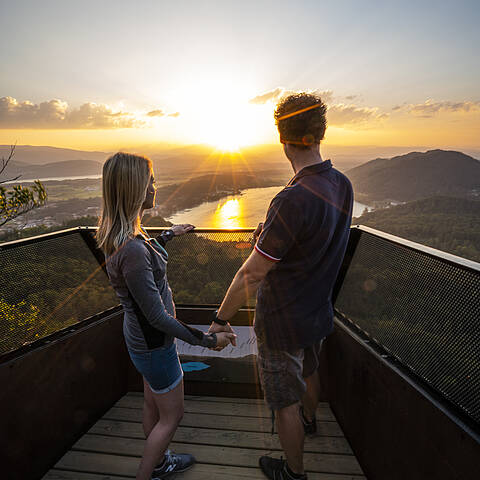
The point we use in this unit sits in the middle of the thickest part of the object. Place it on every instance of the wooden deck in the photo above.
(227, 436)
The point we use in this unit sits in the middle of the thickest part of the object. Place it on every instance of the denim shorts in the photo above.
(161, 368)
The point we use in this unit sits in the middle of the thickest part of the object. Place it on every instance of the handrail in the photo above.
(69, 231)
(419, 247)
(39, 238)
(430, 251)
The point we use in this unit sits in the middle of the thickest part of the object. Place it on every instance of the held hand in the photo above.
(216, 328)
(182, 228)
(257, 232)
(224, 339)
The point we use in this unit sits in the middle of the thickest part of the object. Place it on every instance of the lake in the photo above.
(236, 211)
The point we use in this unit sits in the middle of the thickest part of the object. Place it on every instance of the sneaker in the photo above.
(173, 463)
(310, 428)
(276, 469)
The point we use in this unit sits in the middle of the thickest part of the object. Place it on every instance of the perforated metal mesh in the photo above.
(423, 310)
(49, 285)
(201, 266)
(56, 281)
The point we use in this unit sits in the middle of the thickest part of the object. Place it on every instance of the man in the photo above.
(293, 269)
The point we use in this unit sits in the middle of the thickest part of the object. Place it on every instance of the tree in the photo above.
(19, 199)
(20, 325)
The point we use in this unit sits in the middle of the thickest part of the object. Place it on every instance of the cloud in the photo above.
(429, 108)
(57, 114)
(340, 115)
(156, 113)
(161, 113)
(279, 92)
(271, 95)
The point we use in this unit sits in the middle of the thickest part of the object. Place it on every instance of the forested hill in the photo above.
(194, 191)
(446, 223)
(416, 175)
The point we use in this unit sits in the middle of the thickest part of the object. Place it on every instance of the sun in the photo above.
(226, 145)
(220, 114)
(228, 127)
(224, 137)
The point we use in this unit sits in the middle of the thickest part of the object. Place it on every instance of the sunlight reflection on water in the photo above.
(228, 214)
(237, 211)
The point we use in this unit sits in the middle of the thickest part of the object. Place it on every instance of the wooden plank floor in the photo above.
(226, 436)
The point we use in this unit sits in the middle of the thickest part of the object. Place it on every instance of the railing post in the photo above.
(87, 235)
(353, 239)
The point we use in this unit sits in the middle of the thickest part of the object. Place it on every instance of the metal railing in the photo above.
(202, 264)
(48, 283)
(421, 308)
(52, 282)
(418, 306)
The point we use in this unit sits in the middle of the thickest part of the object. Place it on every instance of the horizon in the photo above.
(211, 74)
(354, 153)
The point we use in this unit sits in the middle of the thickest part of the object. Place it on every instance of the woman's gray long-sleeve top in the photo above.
(138, 273)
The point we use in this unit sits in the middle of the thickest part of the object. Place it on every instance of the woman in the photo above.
(136, 266)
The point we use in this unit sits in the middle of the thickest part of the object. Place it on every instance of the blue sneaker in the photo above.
(173, 463)
(276, 469)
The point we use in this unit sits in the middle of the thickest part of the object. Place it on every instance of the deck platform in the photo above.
(226, 435)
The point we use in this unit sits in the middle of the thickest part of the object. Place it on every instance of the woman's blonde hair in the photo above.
(125, 181)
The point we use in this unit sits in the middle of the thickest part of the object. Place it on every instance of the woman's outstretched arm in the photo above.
(136, 267)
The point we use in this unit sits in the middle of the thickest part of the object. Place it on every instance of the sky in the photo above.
(112, 74)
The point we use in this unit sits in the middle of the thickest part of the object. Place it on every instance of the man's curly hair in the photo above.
(301, 119)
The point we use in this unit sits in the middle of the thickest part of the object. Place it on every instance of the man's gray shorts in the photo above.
(282, 373)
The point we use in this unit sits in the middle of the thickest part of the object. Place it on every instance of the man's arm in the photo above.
(244, 284)
(277, 235)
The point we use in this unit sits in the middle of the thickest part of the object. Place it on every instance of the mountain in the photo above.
(450, 224)
(34, 155)
(401, 178)
(57, 169)
(175, 163)
(171, 163)
(204, 188)
(416, 175)
(184, 161)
